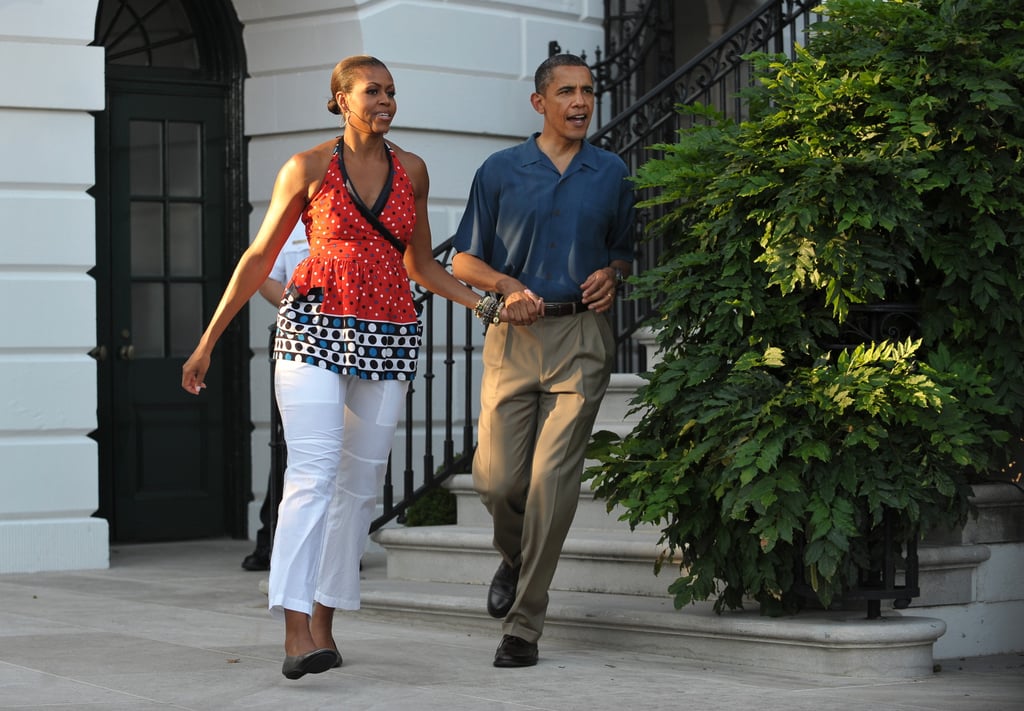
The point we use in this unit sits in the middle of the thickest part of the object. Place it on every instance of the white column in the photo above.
(48, 465)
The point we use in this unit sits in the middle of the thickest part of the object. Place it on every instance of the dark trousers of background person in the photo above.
(259, 559)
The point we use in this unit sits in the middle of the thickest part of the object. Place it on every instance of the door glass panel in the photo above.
(172, 40)
(148, 320)
(186, 239)
(147, 238)
(145, 140)
(184, 159)
(186, 318)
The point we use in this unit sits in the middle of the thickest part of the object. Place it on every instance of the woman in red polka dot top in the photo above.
(346, 347)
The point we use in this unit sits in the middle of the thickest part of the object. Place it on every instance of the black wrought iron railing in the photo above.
(445, 394)
(448, 391)
(714, 78)
(891, 571)
(637, 50)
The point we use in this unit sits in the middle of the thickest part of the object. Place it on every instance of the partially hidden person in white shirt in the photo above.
(294, 251)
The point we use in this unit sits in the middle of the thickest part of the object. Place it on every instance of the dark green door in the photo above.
(170, 225)
(167, 218)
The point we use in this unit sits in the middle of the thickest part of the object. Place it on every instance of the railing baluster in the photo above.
(467, 425)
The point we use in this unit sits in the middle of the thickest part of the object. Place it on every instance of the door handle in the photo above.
(99, 353)
(126, 352)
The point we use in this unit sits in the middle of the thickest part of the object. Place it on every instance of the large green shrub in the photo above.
(883, 163)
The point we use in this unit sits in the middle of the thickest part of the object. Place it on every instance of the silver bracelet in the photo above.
(487, 309)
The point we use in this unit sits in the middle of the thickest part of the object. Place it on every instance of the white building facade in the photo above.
(463, 72)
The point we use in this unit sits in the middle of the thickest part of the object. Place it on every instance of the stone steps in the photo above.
(842, 643)
(591, 515)
(591, 561)
(605, 592)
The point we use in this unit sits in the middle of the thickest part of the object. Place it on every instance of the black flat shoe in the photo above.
(503, 590)
(515, 652)
(315, 662)
(257, 560)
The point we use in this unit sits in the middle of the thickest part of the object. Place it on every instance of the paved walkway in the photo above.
(182, 626)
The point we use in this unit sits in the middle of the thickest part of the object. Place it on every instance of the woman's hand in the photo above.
(193, 372)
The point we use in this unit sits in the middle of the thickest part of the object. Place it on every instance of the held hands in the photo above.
(522, 308)
(599, 290)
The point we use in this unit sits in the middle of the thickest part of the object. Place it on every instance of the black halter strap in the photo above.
(370, 215)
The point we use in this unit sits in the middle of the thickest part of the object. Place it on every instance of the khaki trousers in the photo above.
(541, 388)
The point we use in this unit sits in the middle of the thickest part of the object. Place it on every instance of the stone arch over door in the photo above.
(171, 223)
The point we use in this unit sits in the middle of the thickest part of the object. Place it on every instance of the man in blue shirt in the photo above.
(547, 229)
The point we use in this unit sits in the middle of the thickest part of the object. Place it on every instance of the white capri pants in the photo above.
(338, 430)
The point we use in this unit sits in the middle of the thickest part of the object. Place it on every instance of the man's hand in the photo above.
(523, 307)
(599, 290)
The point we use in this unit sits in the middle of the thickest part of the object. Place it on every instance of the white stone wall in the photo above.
(50, 81)
(463, 74)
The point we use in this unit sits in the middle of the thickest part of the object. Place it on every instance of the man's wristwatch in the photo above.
(619, 277)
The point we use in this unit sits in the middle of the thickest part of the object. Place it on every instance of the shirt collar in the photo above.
(533, 154)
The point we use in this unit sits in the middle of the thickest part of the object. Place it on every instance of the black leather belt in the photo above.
(567, 308)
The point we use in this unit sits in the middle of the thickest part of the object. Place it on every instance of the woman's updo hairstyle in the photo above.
(344, 76)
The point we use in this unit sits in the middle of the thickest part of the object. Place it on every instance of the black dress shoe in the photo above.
(257, 560)
(315, 662)
(515, 652)
(503, 590)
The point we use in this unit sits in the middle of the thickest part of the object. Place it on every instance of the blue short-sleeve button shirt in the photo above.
(549, 230)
